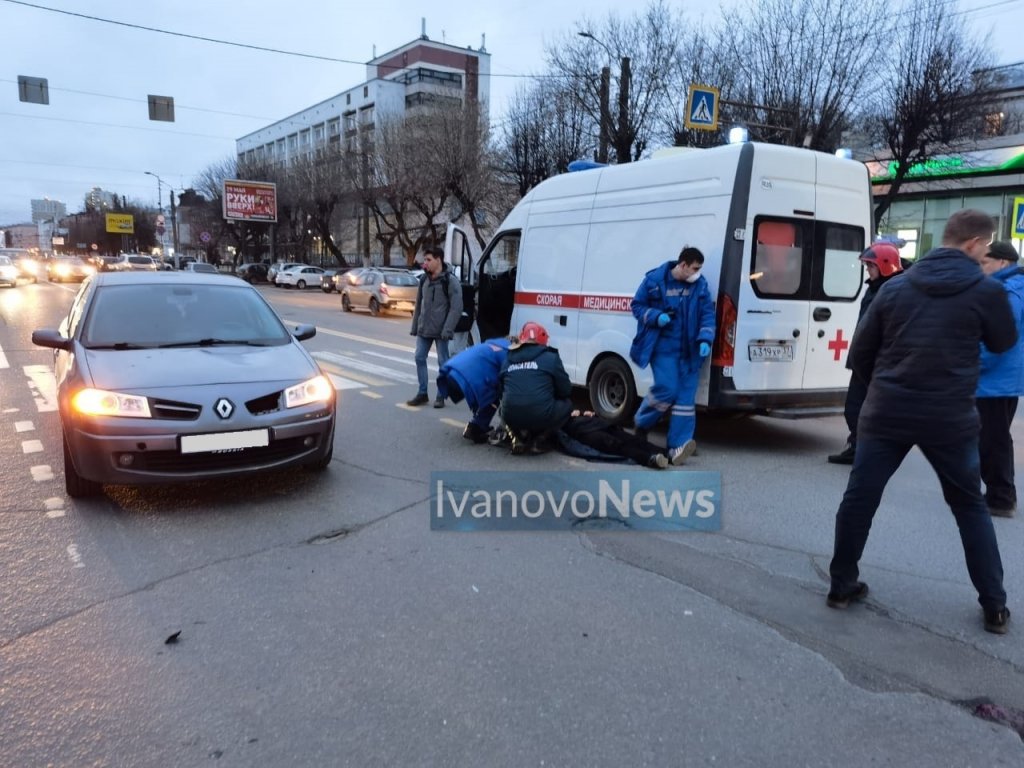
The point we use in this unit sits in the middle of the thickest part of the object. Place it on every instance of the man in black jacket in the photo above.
(535, 390)
(918, 349)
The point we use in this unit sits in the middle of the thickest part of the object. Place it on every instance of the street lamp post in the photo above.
(160, 207)
(602, 147)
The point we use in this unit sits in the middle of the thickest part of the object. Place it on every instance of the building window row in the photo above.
(430, 76)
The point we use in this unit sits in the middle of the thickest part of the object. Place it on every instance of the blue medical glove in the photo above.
(664, 319)
(705, 349)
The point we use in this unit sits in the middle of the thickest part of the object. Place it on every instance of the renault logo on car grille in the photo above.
(224, 408)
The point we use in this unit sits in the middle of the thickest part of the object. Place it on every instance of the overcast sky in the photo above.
(96, 132)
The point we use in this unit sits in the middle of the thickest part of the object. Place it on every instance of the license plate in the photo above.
(225, 441)
(770, 353)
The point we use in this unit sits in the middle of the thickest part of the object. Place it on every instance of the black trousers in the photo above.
(995, 446)
(601, 435)
(855, 395)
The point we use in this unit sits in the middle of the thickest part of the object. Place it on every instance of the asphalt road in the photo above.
(322, 623)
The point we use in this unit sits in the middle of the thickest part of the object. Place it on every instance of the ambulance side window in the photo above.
(504, 256)
(778, 265)
(496, 291)
(841, 270)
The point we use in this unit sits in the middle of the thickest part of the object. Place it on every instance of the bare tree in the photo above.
(936, 92)
(391, 175)
(545, 129)
(321, 183)
(807, 64)
(643, 48)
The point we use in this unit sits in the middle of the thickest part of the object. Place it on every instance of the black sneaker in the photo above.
(835, 600)
(475, 433)
(420, 399)
(845, 456)
(439, 402)
(997, 621)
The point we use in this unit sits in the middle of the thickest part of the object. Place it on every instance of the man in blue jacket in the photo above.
(1001, 383)
(473, 374)
(675, 317)
(918, 349)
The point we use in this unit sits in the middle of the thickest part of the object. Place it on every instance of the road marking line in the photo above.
(331, 365)
(54, 507)
(44, 387)
(453, 423)
(366, 339)
(402, 360)
(348, 362)
(372, 395)
(41, 472)
(3, 359)
(340, 382)
(23, 426)
(76, 558)
(31, 446)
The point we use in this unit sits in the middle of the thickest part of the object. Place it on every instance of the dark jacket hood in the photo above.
(945, 272)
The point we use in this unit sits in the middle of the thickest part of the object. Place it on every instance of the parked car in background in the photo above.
(380, 290)
(134, 262)
(253, 272)
(299, 277)
(62, 269)
(184, 377)
(277, 267)
(201, 266)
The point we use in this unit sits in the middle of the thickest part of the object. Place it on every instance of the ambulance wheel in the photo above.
(613, 391)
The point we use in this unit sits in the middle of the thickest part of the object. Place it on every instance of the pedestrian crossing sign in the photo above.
(702, 108)
(1018, 217)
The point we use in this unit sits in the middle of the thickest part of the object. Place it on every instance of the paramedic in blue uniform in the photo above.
(473, 375)
(675, 317)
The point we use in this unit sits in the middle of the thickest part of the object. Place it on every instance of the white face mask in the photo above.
(693, 278)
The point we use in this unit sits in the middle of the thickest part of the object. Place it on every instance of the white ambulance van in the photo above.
(780, 228)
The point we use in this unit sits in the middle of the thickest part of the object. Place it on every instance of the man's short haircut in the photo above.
(966, 225)
(436, 251)
(690, 255)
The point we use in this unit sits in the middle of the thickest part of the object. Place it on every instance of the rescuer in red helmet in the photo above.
(882, 261)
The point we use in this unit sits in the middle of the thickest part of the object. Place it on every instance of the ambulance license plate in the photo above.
(782, 353)
(225, 441)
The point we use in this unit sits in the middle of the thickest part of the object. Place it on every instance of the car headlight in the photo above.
(63, 270)
(315, 390)
(99, 402)
(30, 266)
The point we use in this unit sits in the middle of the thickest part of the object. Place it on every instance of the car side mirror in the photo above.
(53, 339)
(300, 332)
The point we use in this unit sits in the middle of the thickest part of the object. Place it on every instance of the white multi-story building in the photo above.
(419, 73)
(48, 210)
(99, 199)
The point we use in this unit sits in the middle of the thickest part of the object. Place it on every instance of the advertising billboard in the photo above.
(250, 200)
(121, 223)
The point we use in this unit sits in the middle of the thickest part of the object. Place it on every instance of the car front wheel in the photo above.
(76, 485)
(301, 285)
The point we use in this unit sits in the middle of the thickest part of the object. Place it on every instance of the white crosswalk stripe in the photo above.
(356, 367)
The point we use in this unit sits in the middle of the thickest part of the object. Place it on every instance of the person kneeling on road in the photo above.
(473, 374)
(535, 390)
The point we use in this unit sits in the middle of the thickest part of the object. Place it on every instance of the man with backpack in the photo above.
(438, 309)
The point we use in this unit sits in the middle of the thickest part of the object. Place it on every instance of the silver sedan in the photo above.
(174, 378)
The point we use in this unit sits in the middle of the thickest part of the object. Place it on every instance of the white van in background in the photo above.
(781, 229)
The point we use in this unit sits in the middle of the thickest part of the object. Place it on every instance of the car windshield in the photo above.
(156, 315)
